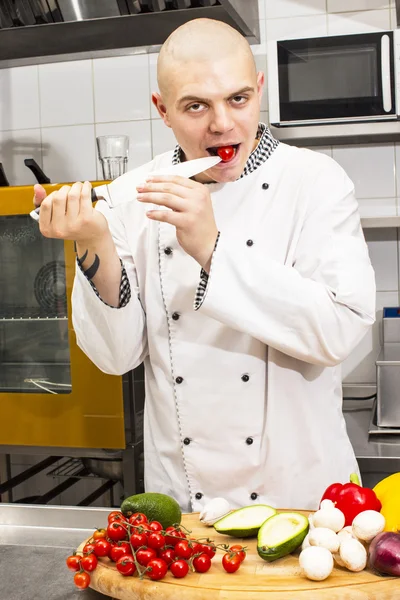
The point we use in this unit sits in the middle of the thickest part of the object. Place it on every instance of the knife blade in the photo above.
(125, 185)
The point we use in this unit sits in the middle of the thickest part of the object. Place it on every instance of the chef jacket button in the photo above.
(249, 441)
(186, 441)
(245, 378)
(265, 186)
(175, 316)
(179, 379)
(254, 496)
(199, 496)
(167, 250)
(249, 242)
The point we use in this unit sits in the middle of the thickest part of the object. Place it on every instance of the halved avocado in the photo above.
(281, 535)
(244, 522)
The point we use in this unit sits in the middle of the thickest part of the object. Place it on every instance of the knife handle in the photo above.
(93, 195)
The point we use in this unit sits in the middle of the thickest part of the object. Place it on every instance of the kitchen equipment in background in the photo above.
(334, 79)
(3, 178)
(113, 155)
(388, 371)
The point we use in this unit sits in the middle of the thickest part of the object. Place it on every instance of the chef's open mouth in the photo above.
(213, 150)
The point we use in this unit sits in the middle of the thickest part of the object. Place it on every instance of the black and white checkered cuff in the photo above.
(124, 287)
(204, 279)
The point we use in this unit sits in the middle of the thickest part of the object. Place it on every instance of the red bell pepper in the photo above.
(351, 498)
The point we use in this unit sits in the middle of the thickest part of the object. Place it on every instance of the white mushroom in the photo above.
(353, 554)
(214, 510)
(324, 537)
(337, 559)
(329, 516)
(316, 563)
(311, 521)
(345, 533)
(306, 542)
(367, 524)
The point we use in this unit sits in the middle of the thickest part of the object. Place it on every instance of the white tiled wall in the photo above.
(54, 112)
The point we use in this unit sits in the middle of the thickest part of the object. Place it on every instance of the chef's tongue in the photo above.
(226, 153)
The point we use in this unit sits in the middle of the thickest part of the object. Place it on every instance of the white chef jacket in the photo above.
(243, 395)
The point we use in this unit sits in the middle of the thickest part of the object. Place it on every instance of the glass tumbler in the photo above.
(113, 154)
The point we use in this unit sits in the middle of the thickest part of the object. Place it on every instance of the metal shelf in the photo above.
(27, 313)
(72, 467)
(380, 222)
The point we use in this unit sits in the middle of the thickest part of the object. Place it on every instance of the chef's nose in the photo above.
(221, 120)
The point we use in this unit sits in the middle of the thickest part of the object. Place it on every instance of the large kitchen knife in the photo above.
(124, 187)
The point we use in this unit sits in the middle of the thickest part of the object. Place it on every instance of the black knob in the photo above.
(199, 496)
(254, 496)
(167, 250)
(245, 378)
(265, 186)
(249, 242)
(175, 316)
(179, 379)
(249, 441)
(186, 441)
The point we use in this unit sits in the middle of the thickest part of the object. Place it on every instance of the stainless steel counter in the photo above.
(374, 453)
(34, 543)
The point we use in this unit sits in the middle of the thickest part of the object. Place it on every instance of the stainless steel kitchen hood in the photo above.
(42, 31)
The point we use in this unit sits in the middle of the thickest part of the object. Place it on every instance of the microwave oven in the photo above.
(334, 79)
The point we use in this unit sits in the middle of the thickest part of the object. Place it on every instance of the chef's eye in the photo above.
(239, 99)
(196, 107)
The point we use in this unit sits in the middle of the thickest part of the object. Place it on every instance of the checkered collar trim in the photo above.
(266, 146)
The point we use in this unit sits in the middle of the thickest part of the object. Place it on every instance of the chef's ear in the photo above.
(161, 108)
(260, 84)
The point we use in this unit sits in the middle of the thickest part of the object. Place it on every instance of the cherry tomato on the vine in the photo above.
(183, 550)
(156, 540)
(116, 515)
(145, 555)
(202, 563)
(138, 539)
(154, 526)
(88, 548)
(231, 562)
(89, 562)
(179, 568)
(119, 551)
(102, 547)
(208, 549)
(116, 532)
(157, 569)
(99, 534)
(168, 554)
(74, 562)
(238, 549)
(138, 519)
(126, 565)
(82, 580)
(173, 536)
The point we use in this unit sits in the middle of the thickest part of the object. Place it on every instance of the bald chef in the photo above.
(242, 289)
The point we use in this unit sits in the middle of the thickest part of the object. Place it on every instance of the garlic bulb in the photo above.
(214, 510)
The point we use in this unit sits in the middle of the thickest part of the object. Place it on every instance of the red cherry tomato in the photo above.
(119, 551)
(156, 540)
(168, 555)
(126, 565)
(74, 562)
(138, 539)
(88, 548)
(226, 152)
(208, 549)
(157, 569)
(179, 568)
(82, 580)
(102, 547)
(89, 563)
(99, 534)
(183, 550)
(116, 532)
(202, 563)
(175, 535)
(145, 555)
(154, 526)
(238, 549)
(138, 519)
(116, 515)
(231, 562)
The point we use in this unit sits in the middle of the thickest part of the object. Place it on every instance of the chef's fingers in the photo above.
(39, 194)
(161, 199)
(73, 202)
(166, 216)
(86, 206)
(59, 207)
(177, 179)
(166, 187)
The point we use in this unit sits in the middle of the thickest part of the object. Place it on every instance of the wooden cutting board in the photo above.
(281, 579)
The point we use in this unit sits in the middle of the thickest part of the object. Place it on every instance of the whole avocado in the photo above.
(156, 507)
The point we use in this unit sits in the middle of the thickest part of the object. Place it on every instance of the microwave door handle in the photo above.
(385, 71)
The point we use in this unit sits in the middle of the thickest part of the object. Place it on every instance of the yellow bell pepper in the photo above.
(388, 492)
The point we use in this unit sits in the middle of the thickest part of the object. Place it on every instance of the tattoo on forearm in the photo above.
(91, 271)
(83, 258)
